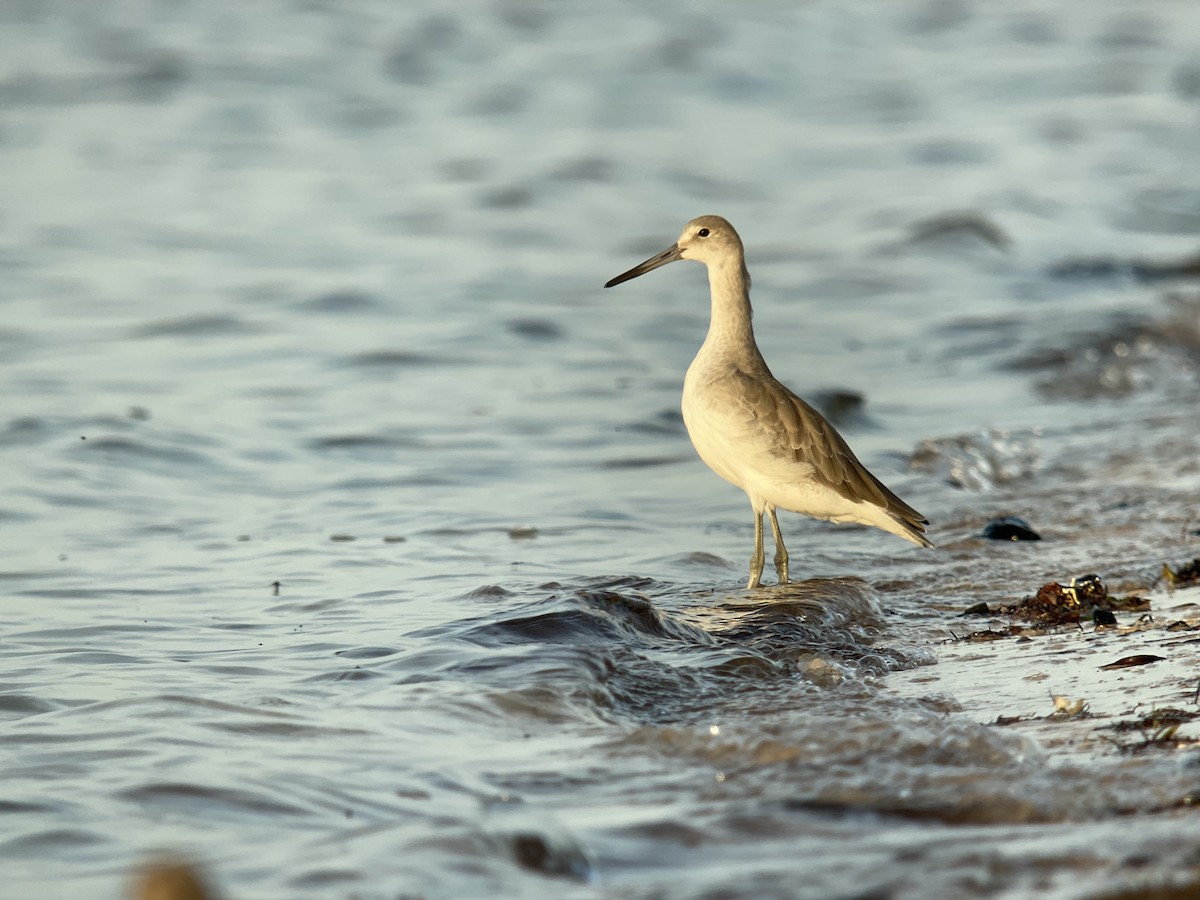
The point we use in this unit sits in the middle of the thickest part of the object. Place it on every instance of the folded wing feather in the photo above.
(810, 439)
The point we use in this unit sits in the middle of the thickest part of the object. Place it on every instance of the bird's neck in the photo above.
(730, 330)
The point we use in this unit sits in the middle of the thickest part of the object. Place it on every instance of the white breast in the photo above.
(725, 433)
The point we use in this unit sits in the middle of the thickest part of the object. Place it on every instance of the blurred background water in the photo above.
(350, 539)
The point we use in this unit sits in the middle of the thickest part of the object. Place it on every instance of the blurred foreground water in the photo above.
(350, 539)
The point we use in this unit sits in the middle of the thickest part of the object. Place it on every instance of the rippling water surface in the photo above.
(350, 539)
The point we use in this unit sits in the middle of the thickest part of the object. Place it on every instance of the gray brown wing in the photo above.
(803, 434)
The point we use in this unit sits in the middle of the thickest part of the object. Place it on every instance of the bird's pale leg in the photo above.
(781, 557)
(757, 560)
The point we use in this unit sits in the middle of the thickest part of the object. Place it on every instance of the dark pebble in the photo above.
(1103, 617)
(979, 609)
(531, 851)
(1009, 528)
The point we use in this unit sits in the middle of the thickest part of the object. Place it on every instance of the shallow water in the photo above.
(350, 539)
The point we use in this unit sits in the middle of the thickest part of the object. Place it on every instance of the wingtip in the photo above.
(914, 530)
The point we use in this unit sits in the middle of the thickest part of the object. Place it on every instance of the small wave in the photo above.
(606, 651)
(50, 841)
(131, 451)
(352, 443)
(1126, 358)
(341, 302)
(179, 797)
(197, 326)
(589, 615)
(388, 359)
(981, 461)
(535, 329)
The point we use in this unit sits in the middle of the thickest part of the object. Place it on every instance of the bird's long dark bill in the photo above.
(671, 254)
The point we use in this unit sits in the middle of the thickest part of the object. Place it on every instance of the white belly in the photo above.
(712, 442)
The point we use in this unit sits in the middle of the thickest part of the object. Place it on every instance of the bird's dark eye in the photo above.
(703, 232)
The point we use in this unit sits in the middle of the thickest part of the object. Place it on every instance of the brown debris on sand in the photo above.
(1187, 574)
(1138, 659)
(1158, 729)
(1058, 604)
